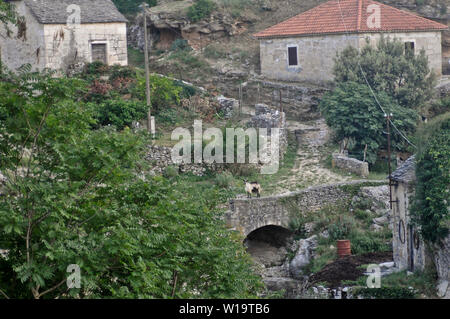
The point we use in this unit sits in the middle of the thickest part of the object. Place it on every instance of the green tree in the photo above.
(353, 113)
(201, 9)
(404, 76)
(430, 206)
(74, 195)
(132, 6)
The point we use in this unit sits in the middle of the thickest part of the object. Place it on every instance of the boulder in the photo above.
(303, 256)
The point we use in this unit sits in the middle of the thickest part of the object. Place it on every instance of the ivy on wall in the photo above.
(430, 209)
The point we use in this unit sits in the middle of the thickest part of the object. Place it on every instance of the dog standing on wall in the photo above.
(252, 187)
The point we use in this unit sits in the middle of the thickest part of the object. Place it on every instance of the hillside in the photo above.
(223, 46)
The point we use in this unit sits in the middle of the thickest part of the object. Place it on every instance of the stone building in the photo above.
(409, 250)
(302, 48)
(61, 34)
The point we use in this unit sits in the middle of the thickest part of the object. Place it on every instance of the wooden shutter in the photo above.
(99, 52)
(293, 60)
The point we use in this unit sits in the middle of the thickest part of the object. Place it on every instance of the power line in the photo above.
(367, 82)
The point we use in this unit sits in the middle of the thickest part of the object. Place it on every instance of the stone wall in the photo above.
(315, 57)
(65, 46)
(316, 53)
(160, 158)
(431, 42)
(29, 48)
(58, 46)
(247, 215)
(350, 164)
(269, 118)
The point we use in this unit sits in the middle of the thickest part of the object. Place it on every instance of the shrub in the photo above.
(224, 180)
(353, 113)
(404, 77)
(164, 92)
(180, 44)
(132, 6)
(387, 293)
(201, 9)
(96, 68)
(171, 171)
(342, 227)
(430, 206)
(368, 242)
(119, 113)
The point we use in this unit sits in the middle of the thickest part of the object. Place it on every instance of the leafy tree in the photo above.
(430, 206)
(164, 92)
(388, 68)
(201, 9)
(132, 6)
(352, 112)
(74, 195)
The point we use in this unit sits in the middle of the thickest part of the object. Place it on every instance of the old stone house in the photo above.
(302, 48)
(60, 34)
(410, 251)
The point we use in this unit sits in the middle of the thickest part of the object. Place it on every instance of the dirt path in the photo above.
(308, 169)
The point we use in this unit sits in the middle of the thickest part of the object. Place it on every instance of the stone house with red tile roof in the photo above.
(303, 47)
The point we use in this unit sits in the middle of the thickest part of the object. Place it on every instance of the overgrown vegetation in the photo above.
(353, 113)
(201, 9)
(430, 206)
(132, 6)
(388, 75)
(78, 195)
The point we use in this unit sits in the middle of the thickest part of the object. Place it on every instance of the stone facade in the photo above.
(316, 53)
(315, 57)
(60, 46)
(350, 164)
(247, 215)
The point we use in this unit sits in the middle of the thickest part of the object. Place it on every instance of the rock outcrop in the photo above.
(169, 21)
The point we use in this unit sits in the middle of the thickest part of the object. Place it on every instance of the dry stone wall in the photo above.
(350, 164)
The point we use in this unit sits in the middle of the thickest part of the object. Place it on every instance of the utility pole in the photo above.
(144, 6)
(388, 122)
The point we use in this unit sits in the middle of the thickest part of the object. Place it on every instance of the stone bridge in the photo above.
(246, 215)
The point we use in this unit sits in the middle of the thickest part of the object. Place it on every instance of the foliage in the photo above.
(171, 171)
(132, 6)
(119, 112)
(224, 180)
(388, 68)
(180, 44)
(430, 206)
(74, 195)
(201, 9)
(164, 91)
(7, 15)
(353, 113)
(386, 293)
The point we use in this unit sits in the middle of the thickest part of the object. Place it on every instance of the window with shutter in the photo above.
(292, 56)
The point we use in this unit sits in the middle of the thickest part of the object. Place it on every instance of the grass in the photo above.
(398, 286)
(135, 58)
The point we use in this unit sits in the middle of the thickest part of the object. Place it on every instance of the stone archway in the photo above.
(267, 244)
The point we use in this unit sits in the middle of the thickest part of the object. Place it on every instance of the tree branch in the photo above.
(3, 293)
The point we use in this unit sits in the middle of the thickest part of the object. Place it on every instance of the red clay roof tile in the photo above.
(352, 16)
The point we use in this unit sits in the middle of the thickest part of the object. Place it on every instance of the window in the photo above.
(409, 47)
(99, 52)
(292, 56)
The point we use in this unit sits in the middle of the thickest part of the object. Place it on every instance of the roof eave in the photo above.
(261, 37)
